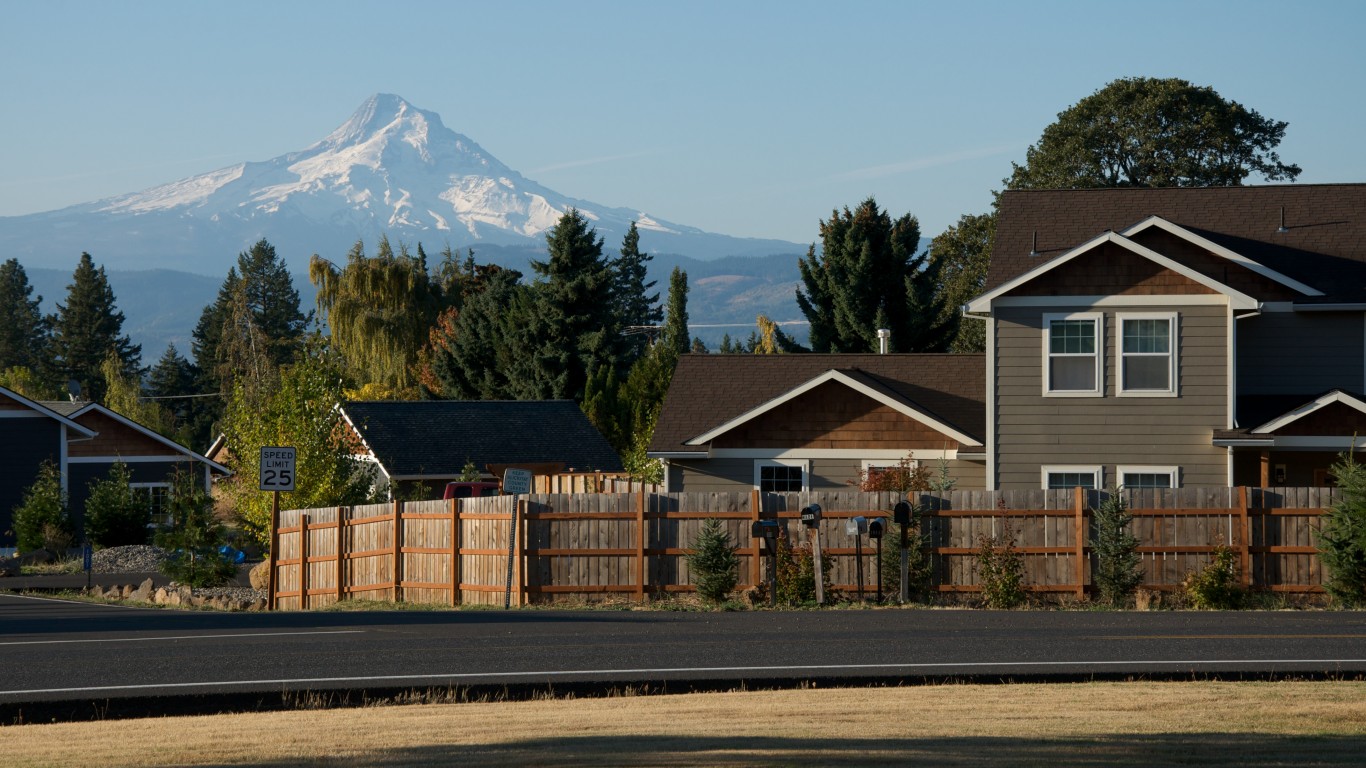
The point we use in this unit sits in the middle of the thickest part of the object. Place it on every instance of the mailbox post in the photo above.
(811, 518)
(901, 515)
(875, 528)
(767, 530)
(856, 527)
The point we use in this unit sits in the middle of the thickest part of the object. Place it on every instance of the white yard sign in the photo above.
(516, 481)
(277, 469)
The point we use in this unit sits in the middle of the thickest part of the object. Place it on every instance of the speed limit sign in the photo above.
(277, 469)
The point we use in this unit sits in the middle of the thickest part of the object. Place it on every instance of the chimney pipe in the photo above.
(884, 337)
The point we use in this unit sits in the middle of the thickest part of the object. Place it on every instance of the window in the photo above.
(889, 475)
(1061, 478)
(780, 476)
(154, 497)
(1147, 354)
(1072, 355)
(1137, 478)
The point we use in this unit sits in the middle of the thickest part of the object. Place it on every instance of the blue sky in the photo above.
(746, 118)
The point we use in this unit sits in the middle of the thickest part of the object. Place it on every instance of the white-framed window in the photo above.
(1071, 476)
(874, 467)
(1139, 477)
(782, 475)
(1147, 354)
(1072, 355)
(155, 497)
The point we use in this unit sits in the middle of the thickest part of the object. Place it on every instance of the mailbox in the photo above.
(875, 528)
(856, 526)
(901, 513)
(764, 529)
(811, 516)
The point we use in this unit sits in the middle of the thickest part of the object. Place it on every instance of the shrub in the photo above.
(797, 571)
(1342, 535)
(919, 565)
(1117, 560)
(1000, 571)
(114, 515)
(1215, 587)
(42, 518)
(194, 537)
(715, 568)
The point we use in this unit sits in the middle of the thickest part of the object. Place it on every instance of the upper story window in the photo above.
(1147, 354)
(1072, 355)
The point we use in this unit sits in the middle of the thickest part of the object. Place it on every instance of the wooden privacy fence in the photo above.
(635, 544)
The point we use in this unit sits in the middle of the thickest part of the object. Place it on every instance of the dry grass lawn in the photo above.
(1197, 723)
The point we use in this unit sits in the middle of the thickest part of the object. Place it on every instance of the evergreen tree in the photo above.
(476, 353)
(634, 306)
(194, 537)
(114, 514)
(1118, 564)
(24, 332)
(869, 277)
(575, 324)
(88, 328)
(169, 383)
(1342, 535)
(714, 565)
(676, 318)
(378, 311)
(42, 519)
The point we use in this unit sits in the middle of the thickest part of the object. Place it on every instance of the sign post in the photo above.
(515, 482)
(276, 474)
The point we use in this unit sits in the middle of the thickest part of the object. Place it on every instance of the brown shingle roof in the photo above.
(709, 390)
(1324, 247)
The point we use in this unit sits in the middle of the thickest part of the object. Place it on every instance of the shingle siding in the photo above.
(1034, 430)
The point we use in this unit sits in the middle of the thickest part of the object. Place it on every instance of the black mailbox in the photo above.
(875, 527)
(901, 513)
(811, 516)
(764, 529)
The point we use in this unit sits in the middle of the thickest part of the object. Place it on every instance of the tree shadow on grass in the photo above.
(1112, 750)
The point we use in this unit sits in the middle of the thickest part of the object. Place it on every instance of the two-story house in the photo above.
(1136, 337)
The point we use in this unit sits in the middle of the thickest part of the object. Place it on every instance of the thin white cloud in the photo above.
(593, 161)
(921, 163)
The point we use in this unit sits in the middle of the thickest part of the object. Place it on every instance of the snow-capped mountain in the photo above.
(391, 168)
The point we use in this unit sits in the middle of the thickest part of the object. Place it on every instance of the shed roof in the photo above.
(438, 437)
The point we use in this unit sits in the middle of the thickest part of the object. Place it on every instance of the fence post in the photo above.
(303, 561)
(519, 542)
(1079, 510)
(640, 546)
(455, 552)
(341, 553)
(398, 551)
(1245, 547)
(755, 574)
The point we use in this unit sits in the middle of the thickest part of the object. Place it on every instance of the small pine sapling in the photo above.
(194, 537)
(41, 518)
(1342, 535)
(1118, 571)
(714, 565)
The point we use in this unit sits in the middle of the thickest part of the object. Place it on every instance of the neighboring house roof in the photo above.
(437, 437)
(86, 411)
(52, 410)
(712, 393)
(1322, 248)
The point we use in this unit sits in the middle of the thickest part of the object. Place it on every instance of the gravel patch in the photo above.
(137, 558)
(234, 593)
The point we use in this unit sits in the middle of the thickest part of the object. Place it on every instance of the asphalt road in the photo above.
(62, 651)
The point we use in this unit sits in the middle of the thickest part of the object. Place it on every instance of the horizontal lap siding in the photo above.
(1033, 430)
(25, 443)
(1300, 353)
(827, 474)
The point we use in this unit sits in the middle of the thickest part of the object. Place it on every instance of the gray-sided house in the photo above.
(801, 422)
(1138, 337)
(429, 442)
(84, 440)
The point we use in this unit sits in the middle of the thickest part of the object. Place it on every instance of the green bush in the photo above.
(1000, 571)
(1117, 572)
(1342, 535)
(796, 580)
(1215, 587)
(715, 567)
(193, 537)
(919, 565)
(114, 514)
(41, 519)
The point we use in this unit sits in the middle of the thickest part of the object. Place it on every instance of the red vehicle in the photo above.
(470, 490)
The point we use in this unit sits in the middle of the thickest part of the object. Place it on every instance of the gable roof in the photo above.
(711, 394)
(77, 410)
(1323, 247)
(437, 437)
(47, 409)
(1336, 396)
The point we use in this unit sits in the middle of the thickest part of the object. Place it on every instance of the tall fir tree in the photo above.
(575, 324)
(473, 353)
(676, 317)
(88, 328)
(868, 276)
(24, 331)
(636, 307)
(169, 383)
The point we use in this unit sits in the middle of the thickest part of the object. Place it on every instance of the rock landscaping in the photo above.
(137, 558)
(220, 598)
